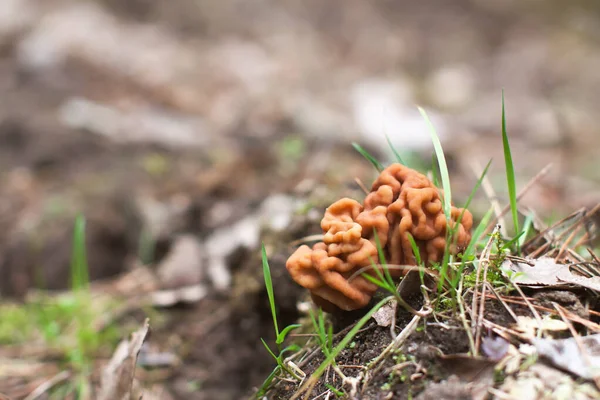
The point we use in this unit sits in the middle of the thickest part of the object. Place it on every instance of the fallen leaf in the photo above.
(544, 272)
(385, 315)
(592, 283)
(543, 382)
(566, 354)
(529, 325)
(118, 375)
(495, 348)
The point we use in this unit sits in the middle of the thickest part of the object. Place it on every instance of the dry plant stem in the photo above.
(503, 331)
(531, 307)
(582, 349)
(308, 239)
(566, 243)
(362, 186)
(553, 312)
(481, 311)
(544, 171)
(594, 256)
(47, 385)
(484, 258)
(558, 238)
(393, 324)
(463, 317)
(548, 232)
(501, 300)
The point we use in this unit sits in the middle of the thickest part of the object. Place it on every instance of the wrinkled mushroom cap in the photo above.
(402, 203)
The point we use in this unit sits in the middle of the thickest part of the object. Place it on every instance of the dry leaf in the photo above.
(530, 325)
(385, 315)
(566, 354)
(544, 272)
(118, 375)
(592, 283)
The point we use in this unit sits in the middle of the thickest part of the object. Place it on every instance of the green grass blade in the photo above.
(343, 343)
(415, 249)
(510, 171)
(527, 225)
(396, 154)
(262, 391)
(269, 350)
(439, 152)
(382, 260)
(285, 332)
(79, 267)
(379, 282)
(368, 156)
(269, 286)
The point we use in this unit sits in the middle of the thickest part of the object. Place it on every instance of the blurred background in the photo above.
(188, 131)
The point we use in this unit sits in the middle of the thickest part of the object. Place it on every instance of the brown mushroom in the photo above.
(402, 203)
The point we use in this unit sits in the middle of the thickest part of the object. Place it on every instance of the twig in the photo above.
(567, 242)
(463, 316)
(549, 310)
(307, 239)
(501, 300)
(531, 308)
(362, 186)
(47, 385)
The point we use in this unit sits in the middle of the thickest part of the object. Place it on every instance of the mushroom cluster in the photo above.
(402, 203)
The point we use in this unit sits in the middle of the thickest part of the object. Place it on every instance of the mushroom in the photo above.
(402, 203)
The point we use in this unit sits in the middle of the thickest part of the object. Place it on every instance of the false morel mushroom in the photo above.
(402, 203)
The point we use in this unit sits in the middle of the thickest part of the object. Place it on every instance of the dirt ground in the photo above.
(219, 125)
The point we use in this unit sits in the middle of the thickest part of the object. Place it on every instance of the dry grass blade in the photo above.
(503, 302)
(477, 316)
(582, 219)
(117, 377)
(47, 385)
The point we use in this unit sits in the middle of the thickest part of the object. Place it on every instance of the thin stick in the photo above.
(567, 242)
(463, 316)
(362, 186)
(47, 385)
(531, 308)
(549, 310)
(501, 300)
